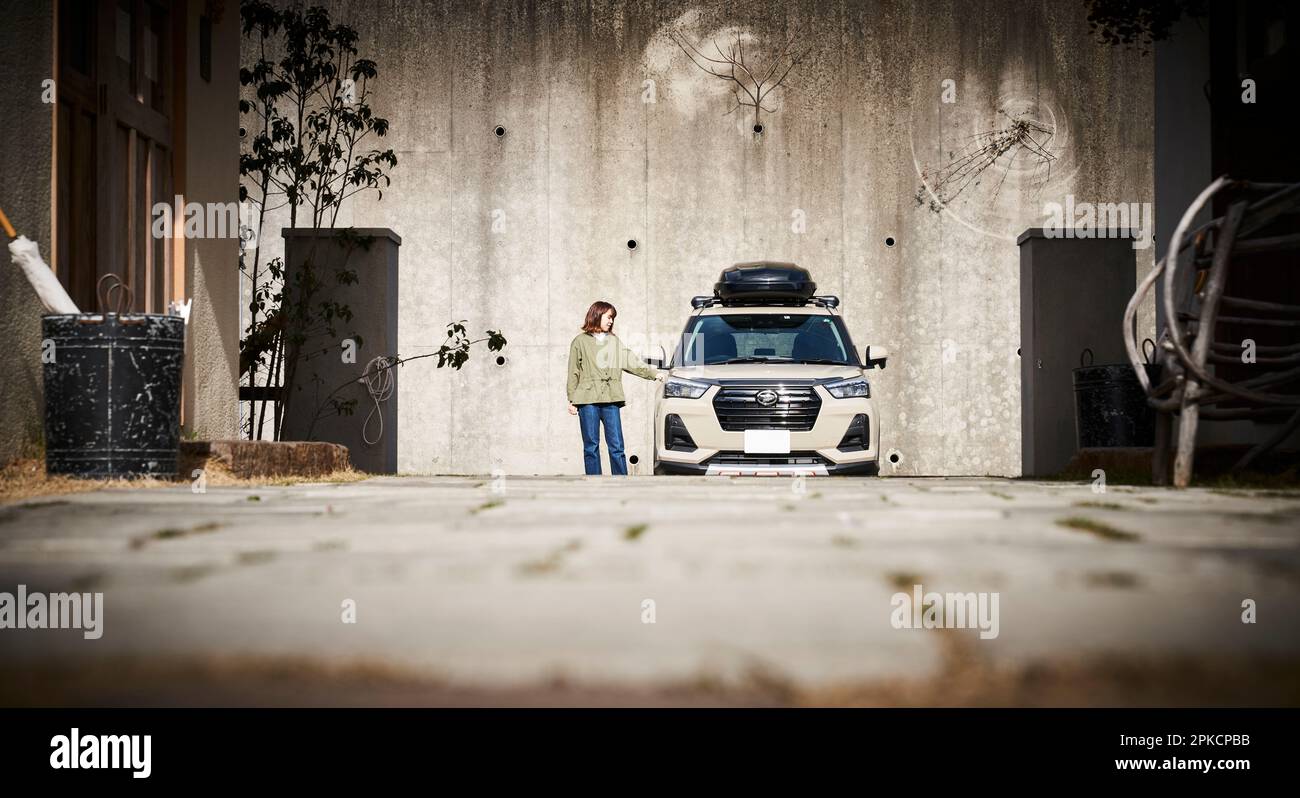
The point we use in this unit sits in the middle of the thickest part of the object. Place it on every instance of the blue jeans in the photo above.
(590, 417)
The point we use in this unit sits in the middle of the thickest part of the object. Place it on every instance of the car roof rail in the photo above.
(826, 301)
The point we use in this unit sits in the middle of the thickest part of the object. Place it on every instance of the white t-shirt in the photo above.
(599, 336)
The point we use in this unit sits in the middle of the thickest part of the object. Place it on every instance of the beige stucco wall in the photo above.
(211, 264)
(26, 144)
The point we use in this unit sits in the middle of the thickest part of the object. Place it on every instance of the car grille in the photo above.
(796, 408)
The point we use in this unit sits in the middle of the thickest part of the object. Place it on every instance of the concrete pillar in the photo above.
(1073, 292)
(211, 157)
(340, 360)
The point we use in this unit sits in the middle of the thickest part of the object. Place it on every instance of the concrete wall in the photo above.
(26, 146)
(211, 408)
(589, 161)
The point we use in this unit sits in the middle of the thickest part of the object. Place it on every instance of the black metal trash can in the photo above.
(1111, 408)
(112, 393)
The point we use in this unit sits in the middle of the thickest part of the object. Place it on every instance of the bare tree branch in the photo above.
(987, 150)
(755, 89)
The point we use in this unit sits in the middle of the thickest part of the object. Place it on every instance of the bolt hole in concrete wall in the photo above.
(895, 459)
(889, 241)
(631, 243)
(499, 131)
(758, 129)
(243, 132)
(633, 459)
(501, 360)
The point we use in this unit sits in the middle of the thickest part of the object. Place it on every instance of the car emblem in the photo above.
(767, 397)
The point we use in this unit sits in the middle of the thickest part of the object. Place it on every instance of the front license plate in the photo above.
(767, 441)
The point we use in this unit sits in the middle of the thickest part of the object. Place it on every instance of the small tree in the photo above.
(310, 121)
(453, 352)
(1139, 23)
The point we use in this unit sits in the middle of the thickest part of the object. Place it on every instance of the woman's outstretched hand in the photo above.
(573, 411)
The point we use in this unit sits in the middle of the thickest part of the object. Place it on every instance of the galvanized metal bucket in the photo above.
(1111, 408)
(112, 393)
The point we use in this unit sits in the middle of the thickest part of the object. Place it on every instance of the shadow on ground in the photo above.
(964, 680)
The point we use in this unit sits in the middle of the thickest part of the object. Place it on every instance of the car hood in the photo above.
(765, 371)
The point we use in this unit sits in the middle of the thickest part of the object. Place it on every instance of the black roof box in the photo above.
(764, 281)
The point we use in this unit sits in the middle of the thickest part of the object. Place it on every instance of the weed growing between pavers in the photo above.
(1103, 531)
(191, 573)
(255, 557)
(172, 533)
(551, 562)
(1112, 579)
(86, 583)
(635, 531)
(1100, 505)
(902, 579)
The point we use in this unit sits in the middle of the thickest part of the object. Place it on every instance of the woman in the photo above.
(597, 360)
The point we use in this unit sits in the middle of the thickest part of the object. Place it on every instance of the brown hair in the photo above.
(597, 309)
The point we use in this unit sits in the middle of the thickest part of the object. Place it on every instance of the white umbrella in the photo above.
(27, 256)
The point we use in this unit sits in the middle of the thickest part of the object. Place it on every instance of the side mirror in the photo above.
(875, 356)
(660, 362)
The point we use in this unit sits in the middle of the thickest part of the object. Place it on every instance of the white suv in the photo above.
(765, 381)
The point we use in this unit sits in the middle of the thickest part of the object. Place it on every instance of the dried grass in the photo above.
(25, 478)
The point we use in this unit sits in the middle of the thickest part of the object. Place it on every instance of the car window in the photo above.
(779, 337)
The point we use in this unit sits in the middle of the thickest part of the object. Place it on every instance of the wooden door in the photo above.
(115, 87)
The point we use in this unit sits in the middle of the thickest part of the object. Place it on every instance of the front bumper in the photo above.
(737, 464)
(722, 452)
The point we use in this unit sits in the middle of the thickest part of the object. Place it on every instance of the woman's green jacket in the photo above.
(596, 369)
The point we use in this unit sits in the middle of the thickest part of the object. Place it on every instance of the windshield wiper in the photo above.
(751, 359)
(823, 362)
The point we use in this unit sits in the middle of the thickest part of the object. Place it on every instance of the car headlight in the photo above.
(853, 387)
(678, 388)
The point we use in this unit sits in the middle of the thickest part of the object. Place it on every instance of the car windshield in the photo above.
(764, 338)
